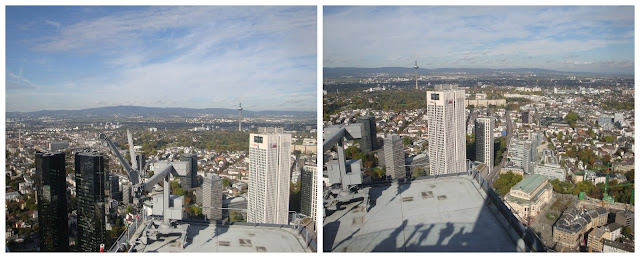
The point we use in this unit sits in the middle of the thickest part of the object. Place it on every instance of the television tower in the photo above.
(416, 68)
(240, 117)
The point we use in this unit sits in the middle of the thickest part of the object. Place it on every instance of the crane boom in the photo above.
(133, 174)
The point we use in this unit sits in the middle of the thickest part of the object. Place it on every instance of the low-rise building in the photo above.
(574, 223)
(529, 195)
(609, 246)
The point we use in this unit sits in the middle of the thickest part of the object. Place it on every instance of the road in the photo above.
(496, 169)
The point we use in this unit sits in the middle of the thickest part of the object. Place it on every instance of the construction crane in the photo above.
(606, 198)
(164, 216)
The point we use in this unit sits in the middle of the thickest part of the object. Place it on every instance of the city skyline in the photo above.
(191, 57)
(573, 39)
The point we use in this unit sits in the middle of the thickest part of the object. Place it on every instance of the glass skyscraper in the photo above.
(91, 186)
(52, 202)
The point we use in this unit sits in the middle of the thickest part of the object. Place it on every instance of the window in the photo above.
(435, 96)
(257, 139)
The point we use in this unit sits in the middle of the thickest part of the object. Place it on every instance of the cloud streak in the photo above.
(474, 36)
(196, 57)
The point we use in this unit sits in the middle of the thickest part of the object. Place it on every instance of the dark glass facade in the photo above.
(190, 181)
(91, 190)
(306, 192)
(51, 193)
(369, 141)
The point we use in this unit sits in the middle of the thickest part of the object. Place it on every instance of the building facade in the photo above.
(212, 197)
(369, 141)
(446, 130)
(189, 180)
(484, 140)
(91, 190)
(308, 191)
(394, 157)
(269, 174)
(528, 196)
(51, 193)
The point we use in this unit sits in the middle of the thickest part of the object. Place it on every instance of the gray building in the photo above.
(484, 140)
(369, 141)
(212, 197)
(91, 186)
(394, 157)
(51, 195)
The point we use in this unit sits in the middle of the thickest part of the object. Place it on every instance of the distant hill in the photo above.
(333, 72)
(157, 111)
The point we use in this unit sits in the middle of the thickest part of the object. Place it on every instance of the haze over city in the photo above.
(576, 39)
(191, 57)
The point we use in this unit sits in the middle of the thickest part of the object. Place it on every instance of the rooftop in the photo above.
(203, 237)
(530, 183)
(448, 213)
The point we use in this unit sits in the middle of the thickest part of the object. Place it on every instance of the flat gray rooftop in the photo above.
(233, 238)
(435, 214)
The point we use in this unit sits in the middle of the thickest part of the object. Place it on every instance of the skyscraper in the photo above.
(269, 174)
(394, 157)
(369, 141)
(308, 191)
(91, 185)
(484, 140)
(189, 180)
(212, 197)
(51, 194)
(446, 122)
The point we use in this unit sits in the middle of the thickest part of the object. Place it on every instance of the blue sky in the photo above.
(194, 57)
(584, 39)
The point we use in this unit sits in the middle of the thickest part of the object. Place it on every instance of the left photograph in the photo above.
(161, 129)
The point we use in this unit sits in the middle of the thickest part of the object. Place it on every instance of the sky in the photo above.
(192, 57)
(578, 39)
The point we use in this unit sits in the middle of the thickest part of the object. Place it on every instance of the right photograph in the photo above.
(478, 129)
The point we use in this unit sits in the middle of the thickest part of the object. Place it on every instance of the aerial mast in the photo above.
(416, 68)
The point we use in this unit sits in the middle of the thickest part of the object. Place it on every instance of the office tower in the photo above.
(141, 160)
(212, 197)
(269, 173)
(484, 140)
(525, 117)
(519, 153)
(394, 157)
(308, 191)
(446, 122)
(114, 188)
(51, 194)
(91, 186)
(126, 192)
(189, 180)
(368, 142)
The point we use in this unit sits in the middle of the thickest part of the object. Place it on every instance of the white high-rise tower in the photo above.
(446, 122)
(484, 140)
(269, 176)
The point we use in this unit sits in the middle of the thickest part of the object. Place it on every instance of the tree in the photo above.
(418, 172)
(571, 119)
(505, 181)
(406, 141)
(226, 182)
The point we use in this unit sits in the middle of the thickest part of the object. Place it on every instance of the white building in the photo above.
(212, 197)
(446, 123)
(549, 167)
(269, 173)
(484, 140)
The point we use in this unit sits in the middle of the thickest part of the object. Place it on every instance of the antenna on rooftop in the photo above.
(416, 68)
(240, 117)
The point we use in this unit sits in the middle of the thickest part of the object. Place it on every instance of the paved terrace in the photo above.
(202, 237)
(444, 214)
